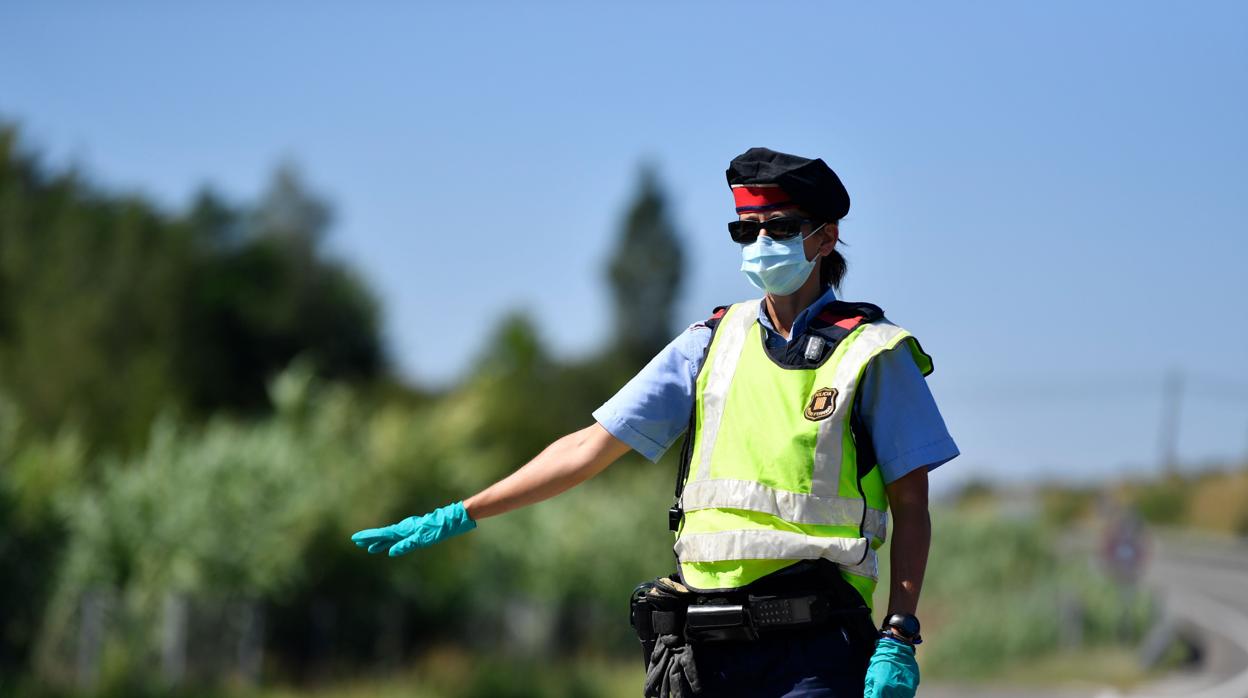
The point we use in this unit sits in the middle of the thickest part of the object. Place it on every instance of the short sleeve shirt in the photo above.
(895, 404)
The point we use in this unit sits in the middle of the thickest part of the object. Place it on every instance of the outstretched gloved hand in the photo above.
(417, 531)
(892, 673)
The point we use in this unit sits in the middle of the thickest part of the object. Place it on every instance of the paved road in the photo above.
(1203, 586)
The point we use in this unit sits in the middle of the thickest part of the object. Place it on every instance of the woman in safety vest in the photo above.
(808, 425)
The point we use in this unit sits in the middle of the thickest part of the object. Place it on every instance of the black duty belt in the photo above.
(716, 618)
(709, 621)
(807, 594)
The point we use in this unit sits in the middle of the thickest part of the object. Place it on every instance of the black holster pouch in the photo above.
(658, 608)
(658, 611)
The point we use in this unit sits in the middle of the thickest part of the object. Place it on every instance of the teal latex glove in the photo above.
(417, 531)
(893, 673)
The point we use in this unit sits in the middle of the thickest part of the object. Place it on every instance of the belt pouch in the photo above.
(657, 608)
(718, 623)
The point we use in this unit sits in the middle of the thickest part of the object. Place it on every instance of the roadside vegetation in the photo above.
(1008, 588)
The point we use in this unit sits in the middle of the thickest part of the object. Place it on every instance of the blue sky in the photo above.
(1051, 196)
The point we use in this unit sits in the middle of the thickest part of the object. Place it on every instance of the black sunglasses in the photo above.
(746, 232)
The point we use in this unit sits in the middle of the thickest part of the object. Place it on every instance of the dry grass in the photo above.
(1219, 502)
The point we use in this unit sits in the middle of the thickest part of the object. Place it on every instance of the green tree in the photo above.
(264, 293)
(112, 309)
(645, 273)
(92, 293)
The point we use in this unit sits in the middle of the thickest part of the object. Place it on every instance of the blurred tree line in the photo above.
(112, 310)
(196, 410)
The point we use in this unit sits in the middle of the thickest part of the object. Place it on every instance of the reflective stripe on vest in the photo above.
(826, 518)
(765, 544)
(790, 506)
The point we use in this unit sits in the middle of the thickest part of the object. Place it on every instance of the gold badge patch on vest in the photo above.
(822, 404)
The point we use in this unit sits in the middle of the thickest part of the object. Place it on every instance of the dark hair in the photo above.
(833, 267)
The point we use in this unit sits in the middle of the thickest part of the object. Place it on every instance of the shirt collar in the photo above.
(803, 318)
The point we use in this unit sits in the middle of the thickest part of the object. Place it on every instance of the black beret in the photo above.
(810, 184)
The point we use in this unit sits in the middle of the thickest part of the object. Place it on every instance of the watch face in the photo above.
(906, 624)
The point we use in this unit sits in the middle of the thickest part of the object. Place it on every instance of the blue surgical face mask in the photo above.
(778, 267)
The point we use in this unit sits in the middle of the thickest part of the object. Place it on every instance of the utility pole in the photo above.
(1244, 464)
(1172, 395)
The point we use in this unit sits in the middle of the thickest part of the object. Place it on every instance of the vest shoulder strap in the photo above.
(674, 514)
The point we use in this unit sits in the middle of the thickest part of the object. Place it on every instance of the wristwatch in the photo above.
(904, 627)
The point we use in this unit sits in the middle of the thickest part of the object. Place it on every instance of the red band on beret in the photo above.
(759, 197)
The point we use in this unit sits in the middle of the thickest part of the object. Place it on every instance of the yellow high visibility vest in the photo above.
(773, 476)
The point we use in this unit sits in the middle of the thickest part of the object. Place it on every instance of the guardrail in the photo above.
(1195, 576)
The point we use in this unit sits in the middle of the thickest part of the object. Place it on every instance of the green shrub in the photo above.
(1000, 593)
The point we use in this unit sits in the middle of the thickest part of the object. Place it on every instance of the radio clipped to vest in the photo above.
(676, 512)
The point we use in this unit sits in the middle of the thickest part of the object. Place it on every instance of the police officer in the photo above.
(809, 425)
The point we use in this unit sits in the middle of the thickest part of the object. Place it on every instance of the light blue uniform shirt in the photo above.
(652, 410)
